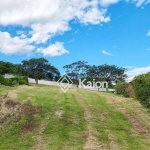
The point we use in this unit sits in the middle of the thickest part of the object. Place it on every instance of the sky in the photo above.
(113, 32)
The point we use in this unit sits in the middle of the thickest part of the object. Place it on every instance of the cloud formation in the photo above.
(148, 34)
(137, 71)
(14, 45)
(140, 2)
(107, 53)
(108, 2)
(47, 18)
(56, 49)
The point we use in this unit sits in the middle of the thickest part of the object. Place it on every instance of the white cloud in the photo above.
(72, 40)
(47, 18)
(148, 34)
(141, 2)
(108, 2)
(42, 32)
(23, 36)
(114, 46)
(107, 53)
(148, 49)
(11, 45)
(137, 71)
(56, 49)
(20, 32)
(130, 67)
(94, 16)
(148, 1)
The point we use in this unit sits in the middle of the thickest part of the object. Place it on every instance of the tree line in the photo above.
(36, 68)
(40, 68)
(81, 70)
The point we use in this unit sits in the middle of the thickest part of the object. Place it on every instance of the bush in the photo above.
(141, 86)
(2, 80)
(21, 82)
(8, 81)
(122, 88)
(5, 81)
(14, 81)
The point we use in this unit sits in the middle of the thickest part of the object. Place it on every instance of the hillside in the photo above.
(39, 117)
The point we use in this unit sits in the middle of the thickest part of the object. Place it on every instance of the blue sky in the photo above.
(97, 31)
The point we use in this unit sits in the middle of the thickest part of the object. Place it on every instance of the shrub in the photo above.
(5, 81)
(21, 82)
(8, 81)
(141, 86)
(14, 81)
(25, 78)
(21, 79)
(122, 88)
(2, 80)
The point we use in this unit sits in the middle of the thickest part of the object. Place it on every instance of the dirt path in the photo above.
(139, 127)
(39, 142)
(92, 142)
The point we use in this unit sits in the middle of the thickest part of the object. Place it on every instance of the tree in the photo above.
(76, 71)
(19, 69)
(39, 68)
(109, 73)
(52, 73)
(6, 67)
(81, 70)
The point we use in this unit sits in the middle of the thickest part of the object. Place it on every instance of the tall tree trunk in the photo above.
(77, 85)
(106, 89)
(36, 80)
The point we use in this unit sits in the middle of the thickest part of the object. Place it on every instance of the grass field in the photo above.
(39, 117)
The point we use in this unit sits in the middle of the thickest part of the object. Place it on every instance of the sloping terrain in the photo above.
(44, 118)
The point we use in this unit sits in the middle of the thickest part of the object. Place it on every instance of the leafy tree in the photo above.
(109, 73)
(6, 67)
(76, 70)
(52, 73)
(19, 69)
(80, 69)
(39, 68)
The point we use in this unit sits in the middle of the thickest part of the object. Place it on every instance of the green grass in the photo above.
(5, 89)
(69, 131)
(116, 123)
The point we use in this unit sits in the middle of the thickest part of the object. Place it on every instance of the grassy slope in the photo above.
(77, 119)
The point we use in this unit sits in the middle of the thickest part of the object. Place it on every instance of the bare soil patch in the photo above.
(9, 107)
(104, 116)
(39, 143)
(12, 94)
(113, 145)
(59, 113)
